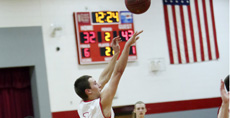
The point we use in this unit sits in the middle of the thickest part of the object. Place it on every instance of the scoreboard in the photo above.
(95, 30)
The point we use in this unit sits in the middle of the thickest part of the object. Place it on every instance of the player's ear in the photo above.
(134, 110)
(88, 91)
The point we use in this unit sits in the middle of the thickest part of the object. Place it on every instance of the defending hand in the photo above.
(224, 94)
(134, 38)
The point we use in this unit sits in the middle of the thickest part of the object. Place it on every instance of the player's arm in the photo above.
(108, 94)
(107, 72)
(224, 109)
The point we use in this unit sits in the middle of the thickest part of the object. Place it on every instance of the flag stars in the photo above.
(176, 2)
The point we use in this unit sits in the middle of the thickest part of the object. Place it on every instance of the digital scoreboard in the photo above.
(95, 31)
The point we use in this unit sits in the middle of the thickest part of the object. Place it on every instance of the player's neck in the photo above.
(92, 98)
(141, 117)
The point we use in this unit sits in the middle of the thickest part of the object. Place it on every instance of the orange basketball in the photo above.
(137, 6)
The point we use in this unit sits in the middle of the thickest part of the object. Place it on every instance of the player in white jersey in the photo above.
(91, 109)
(97, 102)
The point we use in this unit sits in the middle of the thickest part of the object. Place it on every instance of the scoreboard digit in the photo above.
(95, 31)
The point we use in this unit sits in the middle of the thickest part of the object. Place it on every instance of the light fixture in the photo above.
(55, 30)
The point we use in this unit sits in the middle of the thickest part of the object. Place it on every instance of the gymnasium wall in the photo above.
(173, 83)
(203, 113)
(23, 47)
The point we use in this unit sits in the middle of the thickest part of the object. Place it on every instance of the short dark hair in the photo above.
(80, 85)
(226, 82)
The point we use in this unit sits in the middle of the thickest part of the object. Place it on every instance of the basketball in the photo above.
(137, 6)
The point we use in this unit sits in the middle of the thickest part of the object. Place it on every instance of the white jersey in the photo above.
(92, 109)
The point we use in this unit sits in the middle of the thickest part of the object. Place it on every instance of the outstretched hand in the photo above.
(134, 38)
(224, 94)
(115, 44)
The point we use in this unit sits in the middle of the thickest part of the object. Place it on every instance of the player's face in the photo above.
(140, 110)
(95, 87)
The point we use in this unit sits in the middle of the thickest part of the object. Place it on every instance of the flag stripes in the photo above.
(190, 30)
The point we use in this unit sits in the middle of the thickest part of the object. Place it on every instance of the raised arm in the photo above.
(108, 94)
(224, 109)
(107, 72)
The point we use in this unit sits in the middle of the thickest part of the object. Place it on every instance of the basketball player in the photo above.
(139, 110)
(224, 109)
(97, 103)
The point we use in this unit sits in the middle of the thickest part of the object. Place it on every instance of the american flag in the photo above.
(190, 30)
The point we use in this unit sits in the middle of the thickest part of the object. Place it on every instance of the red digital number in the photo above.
(127, 34)
(85, 52)
(134, 50)
(89, 37)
